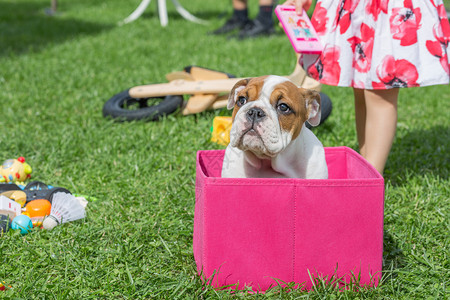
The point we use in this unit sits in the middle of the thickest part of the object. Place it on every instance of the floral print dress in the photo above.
(381, 44)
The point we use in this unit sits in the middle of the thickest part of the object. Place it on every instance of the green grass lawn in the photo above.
(136, 242)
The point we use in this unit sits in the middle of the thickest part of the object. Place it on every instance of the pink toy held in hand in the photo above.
(299, 29)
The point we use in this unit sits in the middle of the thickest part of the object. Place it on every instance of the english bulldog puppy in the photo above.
(268, 136)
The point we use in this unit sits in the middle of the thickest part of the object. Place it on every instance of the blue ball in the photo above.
(23, 223)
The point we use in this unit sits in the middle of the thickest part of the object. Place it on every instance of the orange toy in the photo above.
(37, 210)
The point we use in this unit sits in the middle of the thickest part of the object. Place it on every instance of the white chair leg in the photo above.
(187, 15)
(137, 13)
(162, 9)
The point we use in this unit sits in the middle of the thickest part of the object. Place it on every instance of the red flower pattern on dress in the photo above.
(405, 21)
(362, 49)
(441, 32)
(407, 30)
(326, 68)
(320, 19)
(395, 74)
(344, 14)
(374, 7)
(358, 84)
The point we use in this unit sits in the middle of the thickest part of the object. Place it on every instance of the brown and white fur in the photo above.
(268, 137)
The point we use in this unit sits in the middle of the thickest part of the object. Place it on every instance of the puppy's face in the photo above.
(269, 112)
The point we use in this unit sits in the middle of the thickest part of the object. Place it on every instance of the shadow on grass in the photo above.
(420, 152)
(26, 28)
(393, 256)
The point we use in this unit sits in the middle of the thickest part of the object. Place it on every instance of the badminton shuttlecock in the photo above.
(65, 208)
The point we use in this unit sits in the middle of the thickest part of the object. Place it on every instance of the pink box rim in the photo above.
(375, 179)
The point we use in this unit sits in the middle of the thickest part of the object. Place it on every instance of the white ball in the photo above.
(49, 223)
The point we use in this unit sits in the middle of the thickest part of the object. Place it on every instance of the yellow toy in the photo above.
(221, 130)
(15, 170)
(18, 196)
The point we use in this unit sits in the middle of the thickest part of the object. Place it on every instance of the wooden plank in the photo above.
(179, 75)
(184, 87)
(219, 104)
(199, 103)
(216, 86)
(200, 73)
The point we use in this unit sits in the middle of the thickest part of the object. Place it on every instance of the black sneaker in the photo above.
(230, 25)
(256, 28)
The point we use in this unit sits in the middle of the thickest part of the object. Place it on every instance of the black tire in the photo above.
(150, 109)
(325, 109)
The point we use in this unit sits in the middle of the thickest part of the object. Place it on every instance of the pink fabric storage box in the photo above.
(257, 232)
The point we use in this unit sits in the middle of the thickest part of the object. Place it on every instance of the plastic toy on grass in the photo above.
(32, 191)
(9, 207)
(22, 223)
(65, 208)
(39, 190)
(37, 210)
(221, 130)
(15, 170)
(18, 196)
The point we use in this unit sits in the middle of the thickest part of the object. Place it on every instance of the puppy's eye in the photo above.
(241, 101)
(284, 108)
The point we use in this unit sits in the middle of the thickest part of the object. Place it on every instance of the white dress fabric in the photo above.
(381, 44)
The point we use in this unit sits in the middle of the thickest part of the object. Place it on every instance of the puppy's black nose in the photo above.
(255, 114)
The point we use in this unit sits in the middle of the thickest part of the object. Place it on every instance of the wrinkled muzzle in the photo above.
(256, 128)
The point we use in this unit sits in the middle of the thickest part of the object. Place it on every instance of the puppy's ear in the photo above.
(312, 103)
(233, 94)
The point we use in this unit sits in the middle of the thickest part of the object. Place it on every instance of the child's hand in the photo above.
(300, 5)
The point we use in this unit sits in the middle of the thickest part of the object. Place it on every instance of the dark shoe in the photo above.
(230, 25)
(256, 28)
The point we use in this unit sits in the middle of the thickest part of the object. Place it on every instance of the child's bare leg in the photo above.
(360, 119)
(265, 2)
(240, 4)
(380, 126)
